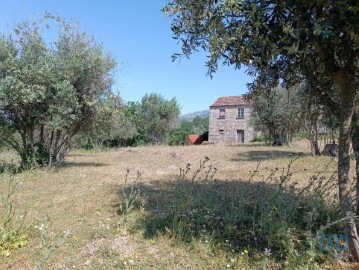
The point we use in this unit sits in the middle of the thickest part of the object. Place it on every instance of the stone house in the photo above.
(229, 121)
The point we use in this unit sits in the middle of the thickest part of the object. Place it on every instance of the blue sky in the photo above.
(138, 35)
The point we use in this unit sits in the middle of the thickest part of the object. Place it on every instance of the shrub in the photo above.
(261, 138)
(177, 137)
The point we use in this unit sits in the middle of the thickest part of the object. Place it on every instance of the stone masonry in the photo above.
(229, 121)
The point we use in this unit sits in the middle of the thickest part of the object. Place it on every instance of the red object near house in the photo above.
(194, 139)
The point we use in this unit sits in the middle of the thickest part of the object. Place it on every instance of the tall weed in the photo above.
(12, 229)
(49, 243)
(128, 195)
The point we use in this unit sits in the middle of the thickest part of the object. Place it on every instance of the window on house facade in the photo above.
(222, 113)
(240, 113)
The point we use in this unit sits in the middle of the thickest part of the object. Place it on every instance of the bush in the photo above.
(261, 138)
(301, 135)
(177, 137)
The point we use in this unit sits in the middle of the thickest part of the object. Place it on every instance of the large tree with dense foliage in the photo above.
(278, 35)
(49, 92)
(284, 111)
(157, 117)
(112, 125)
(276, 113)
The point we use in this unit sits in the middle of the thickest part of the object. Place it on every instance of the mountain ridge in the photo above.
(190, 116)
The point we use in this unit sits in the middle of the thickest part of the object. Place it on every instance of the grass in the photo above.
(82, 197)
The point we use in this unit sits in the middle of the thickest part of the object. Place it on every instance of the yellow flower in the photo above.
(245, 251)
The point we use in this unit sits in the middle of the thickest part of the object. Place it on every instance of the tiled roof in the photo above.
(229, 101)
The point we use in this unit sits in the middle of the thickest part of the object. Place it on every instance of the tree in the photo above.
(49, 92)
(111, 126)
(200, 125)
(158, 116)
(282, 112)
(276, 113)
(279, 35)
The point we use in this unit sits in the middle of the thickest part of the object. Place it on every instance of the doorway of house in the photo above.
(240, 136)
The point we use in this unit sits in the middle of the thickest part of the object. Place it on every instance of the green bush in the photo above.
(261, 138)
(83, 141)
(301, 135)
(177, 137)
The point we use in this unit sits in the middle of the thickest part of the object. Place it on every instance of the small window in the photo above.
(222, 113)
(241, 113)
(221, 131)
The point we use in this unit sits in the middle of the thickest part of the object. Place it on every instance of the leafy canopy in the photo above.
(49, 92)
(274, 33)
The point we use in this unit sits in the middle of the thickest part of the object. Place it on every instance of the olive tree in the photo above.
(158, 116)
(277, 113)
(279, 35)
(49, 92)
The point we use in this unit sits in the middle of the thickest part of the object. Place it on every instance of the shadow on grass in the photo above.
(68, 164)
(9, 167)
(267, 154)
(80, 155)
(236, 215)
(15, 168)
(252, 144)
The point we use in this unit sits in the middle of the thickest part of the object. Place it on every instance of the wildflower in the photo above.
(267, 251)
(245, 251)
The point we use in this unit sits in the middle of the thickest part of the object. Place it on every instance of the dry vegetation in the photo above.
(82, 197)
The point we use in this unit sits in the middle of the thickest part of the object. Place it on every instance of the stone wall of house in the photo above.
(225, 130)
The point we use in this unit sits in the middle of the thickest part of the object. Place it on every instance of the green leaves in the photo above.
(48, 93)
(64, 107)
(252, 32)
(157, 117)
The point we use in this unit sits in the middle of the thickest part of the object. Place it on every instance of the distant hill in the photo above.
(190, 116)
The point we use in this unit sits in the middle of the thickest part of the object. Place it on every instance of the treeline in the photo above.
(152, 121)
(132, 124)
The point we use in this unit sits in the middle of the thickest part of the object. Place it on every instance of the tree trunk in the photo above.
(313, 138)
(355, 144)
(51, 148)
(347, 91)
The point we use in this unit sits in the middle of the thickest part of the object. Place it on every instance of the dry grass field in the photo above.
(82, 197)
